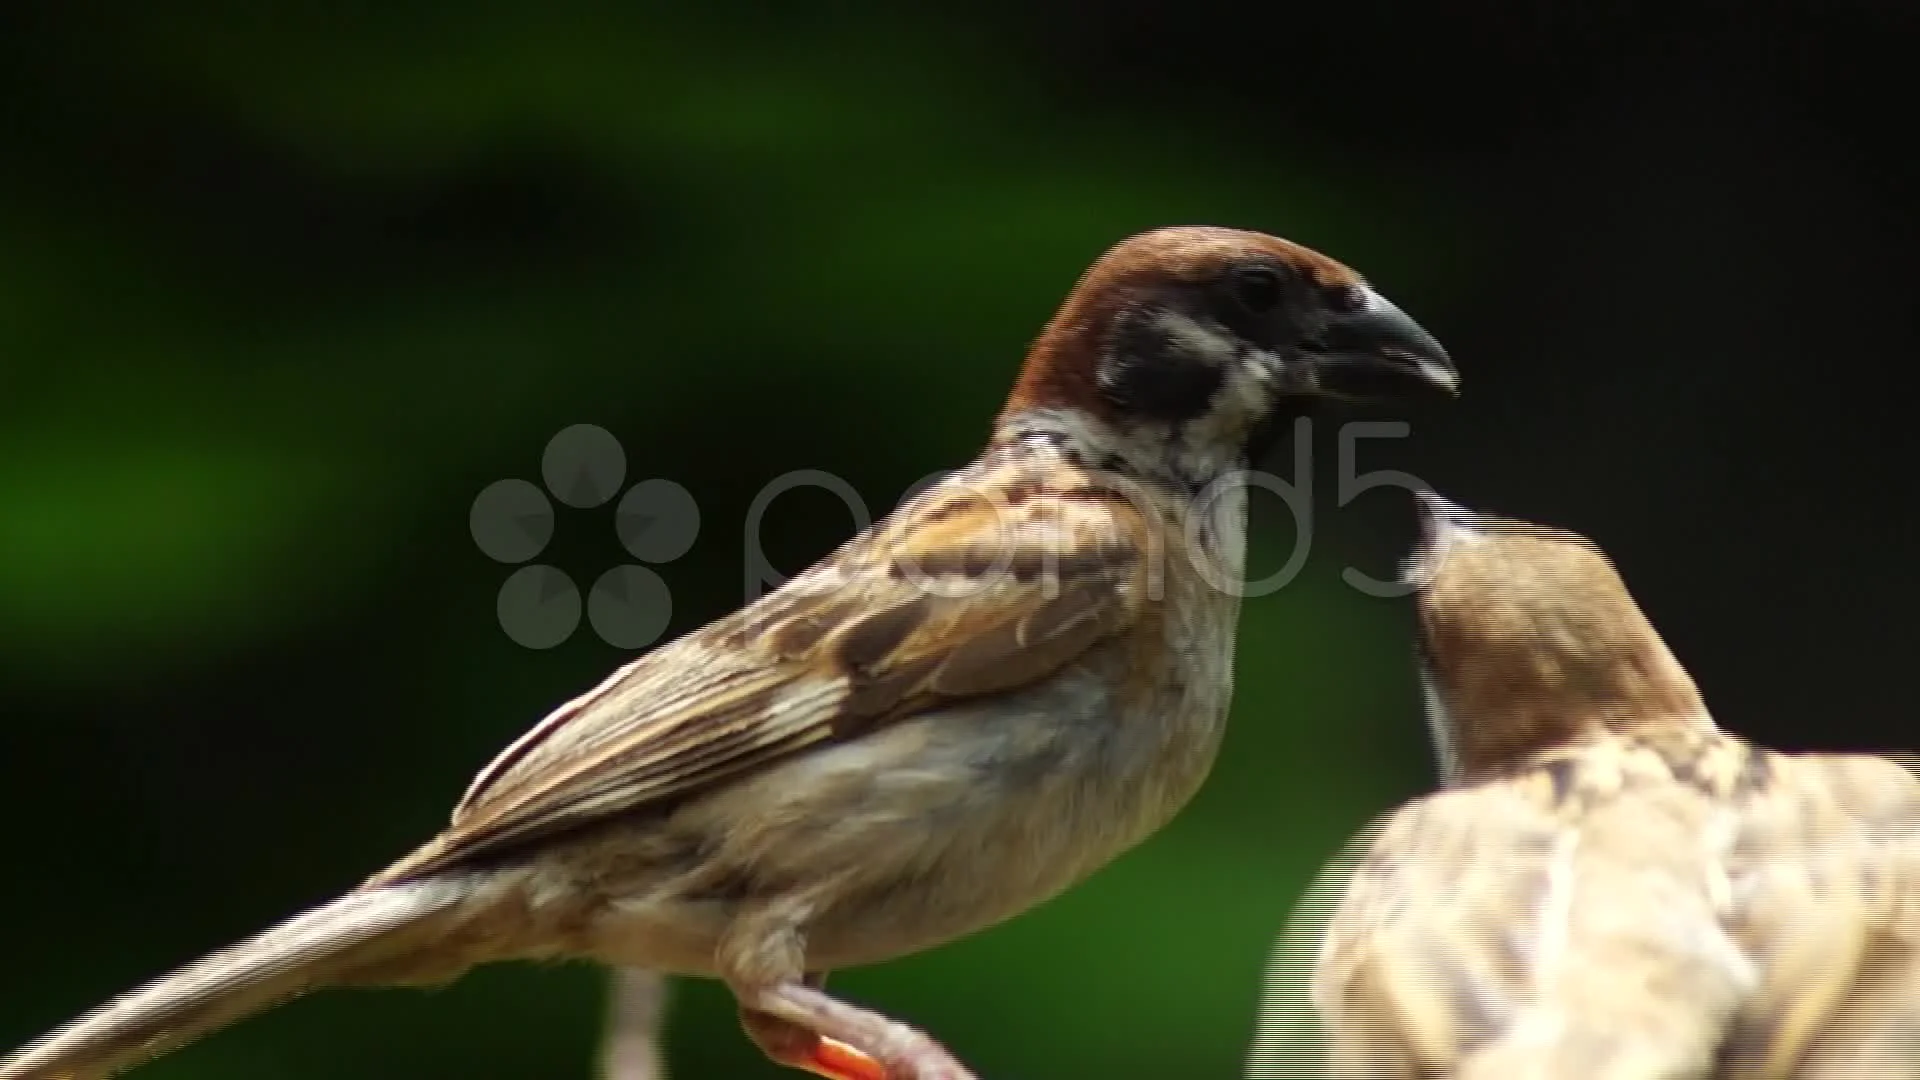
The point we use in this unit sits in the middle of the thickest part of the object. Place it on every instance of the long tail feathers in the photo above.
(347, 940)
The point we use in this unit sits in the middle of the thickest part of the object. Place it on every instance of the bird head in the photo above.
(1529, 637)
(1182, 343)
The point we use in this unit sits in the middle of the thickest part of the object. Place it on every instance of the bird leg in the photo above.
(631, 1048)
(800, 1026)
(797, 1047)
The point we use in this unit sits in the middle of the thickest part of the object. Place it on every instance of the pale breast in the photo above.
(971, 813)
(939, 822)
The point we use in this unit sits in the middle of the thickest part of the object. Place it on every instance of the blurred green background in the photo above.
(283, 287)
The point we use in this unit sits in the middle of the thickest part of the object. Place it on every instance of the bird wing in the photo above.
(1562, 922)
(1831, 915)
(982, 584)
(1410, 969)
(1290, 1036)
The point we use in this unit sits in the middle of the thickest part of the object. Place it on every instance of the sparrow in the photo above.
(1607, 885)
(1018, 674)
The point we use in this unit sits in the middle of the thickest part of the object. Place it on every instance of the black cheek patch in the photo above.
(1146, 375)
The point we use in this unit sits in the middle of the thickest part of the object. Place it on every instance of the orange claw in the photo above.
(836, 1060)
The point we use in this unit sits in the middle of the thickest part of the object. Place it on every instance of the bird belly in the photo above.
(929, 829)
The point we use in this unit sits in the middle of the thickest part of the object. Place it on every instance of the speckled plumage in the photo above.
(964, 710)
(1608, 886)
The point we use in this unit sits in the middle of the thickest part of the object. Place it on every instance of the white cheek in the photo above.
(1253, 378)
(1196, 339)
(1247, 375)
(1243, 399)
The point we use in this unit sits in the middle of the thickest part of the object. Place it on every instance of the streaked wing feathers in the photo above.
(1637, 906)
(952, 597)
(1418, 955)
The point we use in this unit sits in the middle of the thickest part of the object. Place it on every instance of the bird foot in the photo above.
(802, 1027)
(795, 1047)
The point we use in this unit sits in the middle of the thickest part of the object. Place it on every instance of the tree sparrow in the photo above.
(1608, 886)
(1020, 673)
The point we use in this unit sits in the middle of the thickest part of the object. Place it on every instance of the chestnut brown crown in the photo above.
(1530, 638)
(1209, 327)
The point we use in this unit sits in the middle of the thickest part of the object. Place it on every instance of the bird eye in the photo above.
(1257, 288)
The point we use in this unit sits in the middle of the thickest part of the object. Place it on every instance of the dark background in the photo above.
(282, 288)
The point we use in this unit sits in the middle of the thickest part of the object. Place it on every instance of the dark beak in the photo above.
(1372, 349)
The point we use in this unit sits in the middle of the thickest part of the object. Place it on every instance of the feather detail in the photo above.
(957, 596)
(1612, 887)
